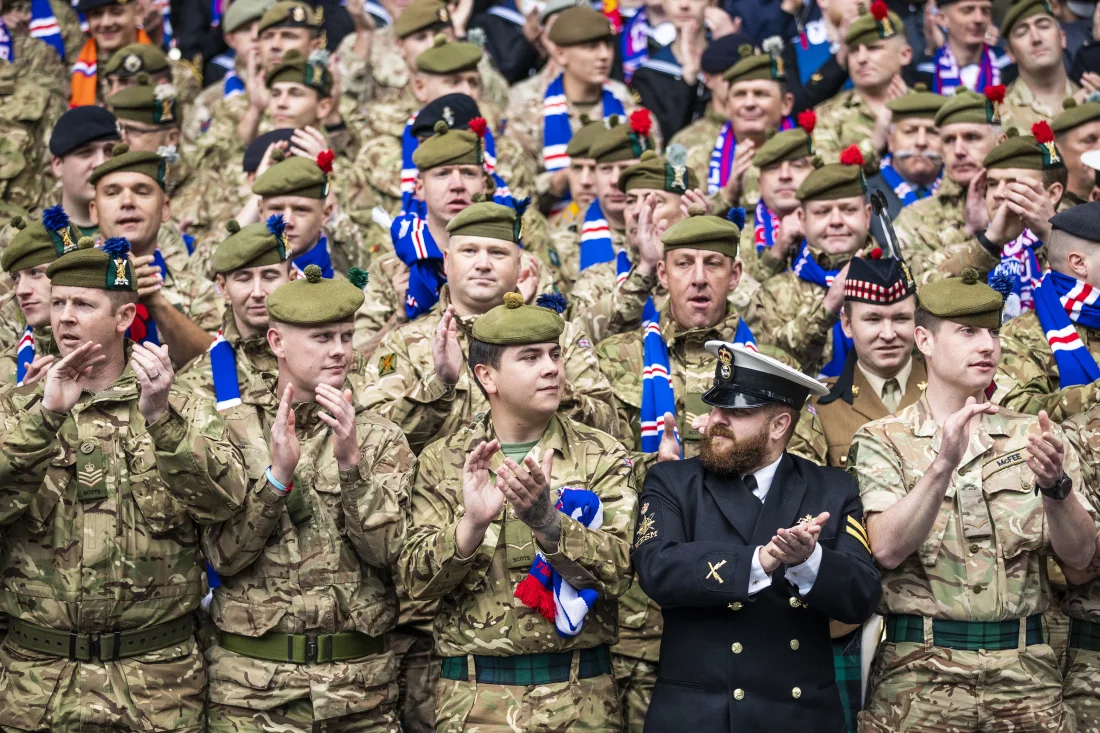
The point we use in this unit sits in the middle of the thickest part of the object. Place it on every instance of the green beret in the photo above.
(88, 266)
(582, 139)
(293, 176)
(578, 25)
(963, 106)
(618, 142)
(312, 72)
(712, 233)
(875, 26)
(138, 161)
(671, 174)
(136, 58)
(1025, 151)
(314, 300)
(835, 181)
(291, 14)
(448, 57)
(793, 144)
(1074, 115)
(1021, 10)
(488, 219)
(516, 324)
(39, 242)
(966, 300)
(419, 16)
(758, 66)
(241, 13)
(449, 147)
(918, 104)
(256, 245)
(152, 105)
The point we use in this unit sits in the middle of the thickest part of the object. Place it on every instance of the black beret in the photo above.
(1080, 221)
(80, 126)
(256, 149)
(85, 5)
(455, 109)
(723, 53)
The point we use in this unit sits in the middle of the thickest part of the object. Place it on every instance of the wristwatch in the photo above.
(1059, 491)
(987, 245)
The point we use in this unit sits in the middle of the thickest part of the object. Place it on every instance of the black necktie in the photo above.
(750, 484)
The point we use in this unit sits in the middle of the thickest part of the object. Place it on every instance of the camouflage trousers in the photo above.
(577, 705)
(156, 692)
(297, 717)
(635, 679)
(418, 675)
(1082, 689)
(920, 688)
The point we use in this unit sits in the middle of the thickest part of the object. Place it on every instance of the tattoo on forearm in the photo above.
(542, 518)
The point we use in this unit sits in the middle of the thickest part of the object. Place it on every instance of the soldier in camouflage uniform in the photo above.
(584, 42)
(566, 221)
(877, 52)
(1034, 39)
(797, 310)
(32, 55)
(25, 260)
(101, 634)
(698, 138)
(175, 308)
(930, 229)
(1029, 378)
(950, 494)
(1081, 688)
(307, 595)
(28, 112)
(485, 539)
(128, 65)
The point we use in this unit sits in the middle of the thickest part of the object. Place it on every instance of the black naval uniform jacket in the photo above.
(731, 661)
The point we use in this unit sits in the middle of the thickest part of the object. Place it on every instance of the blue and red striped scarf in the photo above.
(1060, 302)
(24, 355)
(557, 131)
(808, 269)
(721, 157)
(948, 77)
(223, 365)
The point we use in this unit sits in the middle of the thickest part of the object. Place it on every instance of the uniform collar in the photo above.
(877, 382)
(254, 348)
(673, 333)
(924, 425)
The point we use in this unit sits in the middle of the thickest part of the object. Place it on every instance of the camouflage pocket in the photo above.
(28, 682)
(159, 508)
(634, 608)
(166, 690)
(241, 682)
(358, 687)
(1016, 512)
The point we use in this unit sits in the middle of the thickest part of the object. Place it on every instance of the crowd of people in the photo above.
(547, 365)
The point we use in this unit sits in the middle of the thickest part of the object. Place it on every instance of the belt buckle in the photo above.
(93, 648)
(311, 648)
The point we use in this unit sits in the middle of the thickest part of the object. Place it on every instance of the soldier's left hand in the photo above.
(37, 368)
(341, 420)
(1029, 201)
(669, 449)
(527, 489)
(154, 372)
(307, 142)
(834, 298)
(1045, 453)
(795, 545)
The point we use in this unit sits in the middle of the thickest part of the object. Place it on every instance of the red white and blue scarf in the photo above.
(24, 355)
(415, 246)
(1019, 265)
(318, 255)
(721, 157)
(947, 75)
(223, 364)
(902, 189)
(556, 128)
(634, 43)
(808, 269)
(409, 144)
(1060, 302)
(144, 328)
(765, 226)
(596, 246)
(44, 26)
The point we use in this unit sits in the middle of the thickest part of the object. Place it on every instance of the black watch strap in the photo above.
(1061, 489)
(988, 245)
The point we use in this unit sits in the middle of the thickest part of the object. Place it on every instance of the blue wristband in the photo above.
(271, 480)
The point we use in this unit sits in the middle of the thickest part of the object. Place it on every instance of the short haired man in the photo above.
(719, 55)
(912, 168)
(329, 497)
(502, 476)
(151, 119)
(797, 310)
(176, 308)
(132, 661)
(963, 56)
(1049, 353)
(82, 140)
(1035, 41)
(1076, 132)
(750, 551)
(421, 376)
(130, 63)
(877, 52)
(35, 245)
(950, 490)
(968, 128)
(582, 191)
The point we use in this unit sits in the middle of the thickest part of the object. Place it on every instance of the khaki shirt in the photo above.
(846, 120)
(1022, 110)
(1083, 432)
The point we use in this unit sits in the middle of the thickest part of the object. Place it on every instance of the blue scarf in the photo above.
(7, 47)
(414, 245)
(409, 144)
(596, 244)
(1061, 301)
(721, 157)
(902, 189)
(506, 9)
(556, 128)
(634, 43)
(318, 255)
(382, 18)
(189, 243)
(223, 364)
(807, 268)
(1020, 266)
(947, 75)
(44, 26)
(144, 321)
(24, 355)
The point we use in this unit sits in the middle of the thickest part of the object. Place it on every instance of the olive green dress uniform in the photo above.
(306, 594)
(505, 667)
(101, 563)
(964, 641)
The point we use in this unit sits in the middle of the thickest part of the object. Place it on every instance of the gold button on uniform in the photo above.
(796, 693)
(736, 647)
(794, 645)
(738, 694)
(795, 603)
(735, 606)
(974, 548)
